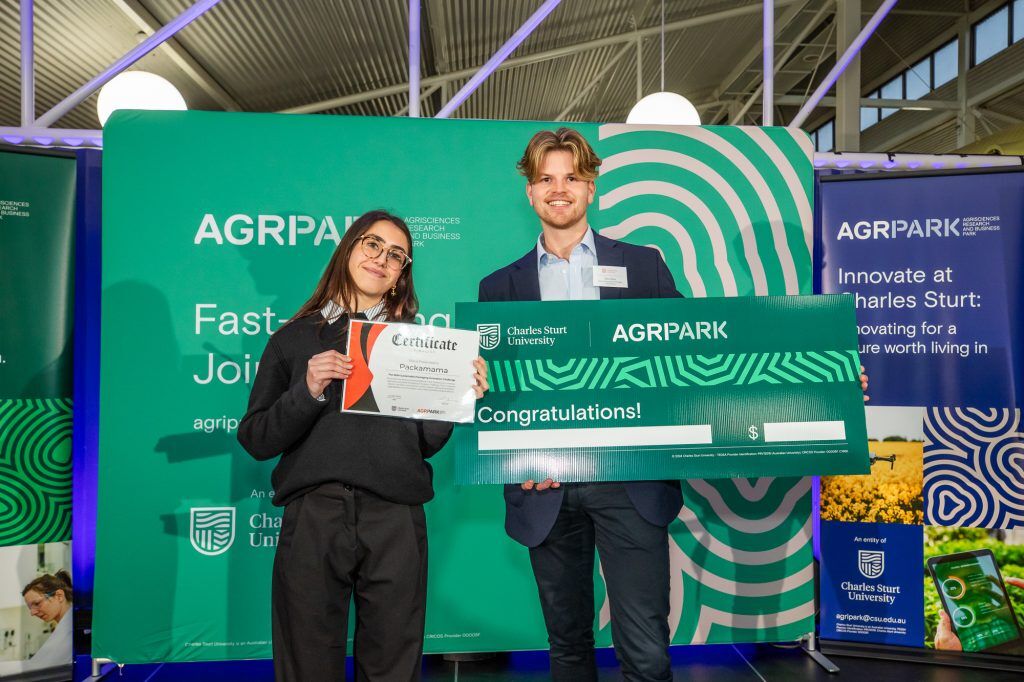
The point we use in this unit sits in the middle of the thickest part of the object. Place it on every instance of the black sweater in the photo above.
(385, 455)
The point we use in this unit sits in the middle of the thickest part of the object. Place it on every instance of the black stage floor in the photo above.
(719, 663)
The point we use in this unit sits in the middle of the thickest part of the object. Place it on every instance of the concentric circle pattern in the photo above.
(35, 471)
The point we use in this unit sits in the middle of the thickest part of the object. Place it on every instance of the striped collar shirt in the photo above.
(332, 311)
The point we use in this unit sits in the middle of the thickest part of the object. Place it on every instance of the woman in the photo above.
(48, 598)
(353, 486)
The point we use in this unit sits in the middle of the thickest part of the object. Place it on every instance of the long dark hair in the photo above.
(336, 283)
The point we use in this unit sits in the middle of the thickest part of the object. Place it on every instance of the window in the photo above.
(919, 79)
(991, 35)
(823, 137)
(945, 61)
(892, 90)
(869, 115)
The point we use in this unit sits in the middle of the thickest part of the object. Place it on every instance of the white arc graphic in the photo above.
(694, 203)
(723, 188)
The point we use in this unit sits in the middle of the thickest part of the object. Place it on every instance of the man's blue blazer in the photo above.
(529, 515)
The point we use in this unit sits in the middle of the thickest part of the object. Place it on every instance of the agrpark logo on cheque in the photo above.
(870, 563)
(490, 335)
(212, 529)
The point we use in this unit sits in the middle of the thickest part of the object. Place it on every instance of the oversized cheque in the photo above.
(665, 388)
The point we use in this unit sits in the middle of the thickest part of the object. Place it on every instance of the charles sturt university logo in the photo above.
(212, 529)
(490, 335)
(871, 563)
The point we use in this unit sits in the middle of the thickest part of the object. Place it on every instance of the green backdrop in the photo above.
(37, 229)
(221, 215)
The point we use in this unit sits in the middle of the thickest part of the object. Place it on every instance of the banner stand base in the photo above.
(809, 644)
(97, 667)
(914, 655)
(468, 656)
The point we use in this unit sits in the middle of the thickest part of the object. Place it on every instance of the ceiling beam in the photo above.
(594, 81)
(745, 62)
(998, 116)
(874, 102)
(922, 13)
(938, 40)
(937, 118)
(133, 55)
(846, 131)
(404, 109)
(413, 105)
(768, 64)
(502, 53)
(28, 64)
(966, 132)
(785, 57)
(437, 34)
(140, 16)
(546, 55)
(1012, 80)
(841, 63)
(927, 125)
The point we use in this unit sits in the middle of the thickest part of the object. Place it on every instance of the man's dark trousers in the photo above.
(634, 560)
(627, 521)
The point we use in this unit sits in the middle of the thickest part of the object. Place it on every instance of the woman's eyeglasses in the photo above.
(396, 259)
(33, 605)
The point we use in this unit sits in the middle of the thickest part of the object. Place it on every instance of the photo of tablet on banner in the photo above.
(974, 596)
(410, 370)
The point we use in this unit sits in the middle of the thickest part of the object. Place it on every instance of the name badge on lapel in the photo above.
(610, 276)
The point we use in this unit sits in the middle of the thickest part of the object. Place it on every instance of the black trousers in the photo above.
(634, 558)
(339, 544)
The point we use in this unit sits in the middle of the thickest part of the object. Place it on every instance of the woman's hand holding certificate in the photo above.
(323, 368)
(413, 371)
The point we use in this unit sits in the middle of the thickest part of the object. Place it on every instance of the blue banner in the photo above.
(933, 263)
(871, 586)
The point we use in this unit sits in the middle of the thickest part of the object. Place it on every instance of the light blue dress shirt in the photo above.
(568, 280)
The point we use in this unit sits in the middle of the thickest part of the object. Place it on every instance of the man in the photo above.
(562, 523)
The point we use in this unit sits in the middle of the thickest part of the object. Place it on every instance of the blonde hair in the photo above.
(584, 160)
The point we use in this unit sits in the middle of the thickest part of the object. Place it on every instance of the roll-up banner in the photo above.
(928, 550)
(37, 201)
(217, 227)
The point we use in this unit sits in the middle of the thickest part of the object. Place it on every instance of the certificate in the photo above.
(410, 370)
(627, 390)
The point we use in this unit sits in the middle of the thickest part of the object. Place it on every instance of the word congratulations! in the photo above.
(421, 342)
(670, 331)
(572, 413)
